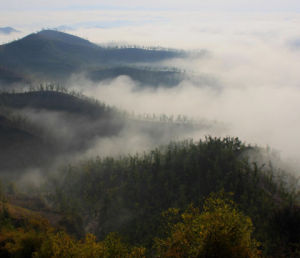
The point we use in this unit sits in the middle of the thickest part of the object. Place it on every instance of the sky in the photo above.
(28, 15)
(213, 5)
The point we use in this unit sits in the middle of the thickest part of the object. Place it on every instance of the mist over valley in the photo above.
(134, 137)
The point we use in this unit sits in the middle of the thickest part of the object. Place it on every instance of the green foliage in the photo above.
(2, 192)
(62, 245)
(127, 195)
(34, 237)
(220, 230)
(11, 188)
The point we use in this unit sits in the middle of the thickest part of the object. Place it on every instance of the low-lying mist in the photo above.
(48, 129)
(256, 94)
(246, 86)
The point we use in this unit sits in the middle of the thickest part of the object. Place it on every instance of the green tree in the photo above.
(220, 230)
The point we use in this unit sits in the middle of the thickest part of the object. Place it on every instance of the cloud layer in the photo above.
(253, 57)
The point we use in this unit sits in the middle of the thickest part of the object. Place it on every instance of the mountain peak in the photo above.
(56, 35)
(52, 54)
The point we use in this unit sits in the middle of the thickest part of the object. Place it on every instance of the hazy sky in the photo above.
(212, 5)
(35, 14)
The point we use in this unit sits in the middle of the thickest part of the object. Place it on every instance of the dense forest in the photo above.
(160, 204)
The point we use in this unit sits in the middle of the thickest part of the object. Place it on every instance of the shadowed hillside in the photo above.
(129, 194)
(10, 77)
(56, 55)
(20, 148)
(39, 126)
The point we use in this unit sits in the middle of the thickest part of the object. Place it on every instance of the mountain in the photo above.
(144, 76)
(131, 194)
(20, 148)
(41, 125)
(7, 30)
(11, 77)
(55, 55)
(186, 199)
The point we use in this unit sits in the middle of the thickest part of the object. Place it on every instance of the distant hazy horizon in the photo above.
(134, 20)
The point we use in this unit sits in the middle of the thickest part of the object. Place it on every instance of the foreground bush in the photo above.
(220, 230)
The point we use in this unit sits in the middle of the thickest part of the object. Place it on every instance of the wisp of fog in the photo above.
(255, 64)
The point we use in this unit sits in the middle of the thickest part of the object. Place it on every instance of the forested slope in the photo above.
(42, 125)
(127, 195)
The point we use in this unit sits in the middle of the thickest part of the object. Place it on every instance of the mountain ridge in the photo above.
(54, 55)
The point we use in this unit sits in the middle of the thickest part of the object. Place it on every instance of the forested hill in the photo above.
(186, 199)
(128, 195)
(56, 55)
(21, 147)
(45, 124)
(55, 99)
(9, 77)
(39, 126)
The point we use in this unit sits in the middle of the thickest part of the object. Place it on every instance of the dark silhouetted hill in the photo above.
(56, 55)
(11, 77)
(20, 148)
(59, 123)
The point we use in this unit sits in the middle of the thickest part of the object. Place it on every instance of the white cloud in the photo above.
(250, 57)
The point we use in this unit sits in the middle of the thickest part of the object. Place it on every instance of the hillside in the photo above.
(156, 200)
(144, 76)
(128, 195)
(55, 55)
(11, 77)
(39, 126)
(21, 148)
(24, 233)
(31, 127)
(55, 100)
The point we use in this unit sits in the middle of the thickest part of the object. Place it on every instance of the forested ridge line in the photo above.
(128, 194)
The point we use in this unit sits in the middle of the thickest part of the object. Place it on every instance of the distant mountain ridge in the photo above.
(51, 54)
(41, 125)
(7, 30)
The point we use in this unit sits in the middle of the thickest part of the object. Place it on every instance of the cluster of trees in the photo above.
(33, 236)
(143, 76)
(54, 97)
(34, 97)
(25, 98)
(219, 230)
(127, 195)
